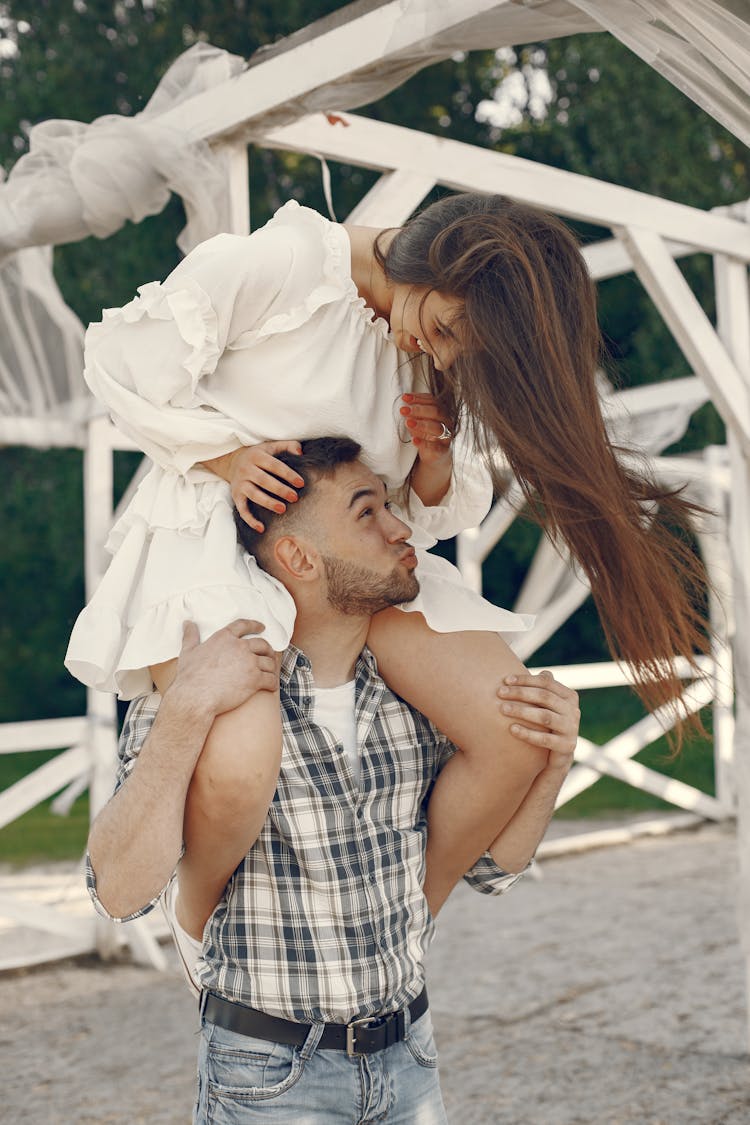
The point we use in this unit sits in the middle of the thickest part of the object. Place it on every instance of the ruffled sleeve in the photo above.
(467, 501)
(155, 362)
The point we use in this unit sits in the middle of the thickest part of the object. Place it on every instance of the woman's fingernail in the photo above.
(279, 508)
(511, 679)
(407, 397)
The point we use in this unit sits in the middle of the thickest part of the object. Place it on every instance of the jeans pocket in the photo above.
(421, 1042)
(240, 1071)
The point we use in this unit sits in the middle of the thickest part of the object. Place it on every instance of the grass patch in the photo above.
(39, 836)
(606, 711)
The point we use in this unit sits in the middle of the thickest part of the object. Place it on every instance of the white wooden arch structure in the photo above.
(275, 102)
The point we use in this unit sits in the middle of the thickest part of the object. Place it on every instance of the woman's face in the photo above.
(430, 324)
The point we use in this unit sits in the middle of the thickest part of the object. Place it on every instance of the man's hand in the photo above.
(225, 670)
(545, 714)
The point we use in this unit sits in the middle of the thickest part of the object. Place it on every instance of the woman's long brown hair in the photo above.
(527, 377)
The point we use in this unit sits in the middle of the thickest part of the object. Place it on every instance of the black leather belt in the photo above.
(358, 1037)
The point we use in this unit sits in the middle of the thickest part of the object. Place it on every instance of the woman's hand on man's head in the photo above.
(256, 474)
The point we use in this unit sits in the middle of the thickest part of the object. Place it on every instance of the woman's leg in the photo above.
(453, 678)
(227, 802)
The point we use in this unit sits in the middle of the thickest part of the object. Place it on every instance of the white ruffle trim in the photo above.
(104, 653)
(192, 313)
(450, 606)
(158, 579)
(335, 275)
(112, 645)
(168, 499)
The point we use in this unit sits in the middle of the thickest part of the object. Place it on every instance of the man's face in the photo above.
(369, 564)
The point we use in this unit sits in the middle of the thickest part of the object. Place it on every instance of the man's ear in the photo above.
(296, 558)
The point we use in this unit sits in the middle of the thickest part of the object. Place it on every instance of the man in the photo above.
(313, 1006)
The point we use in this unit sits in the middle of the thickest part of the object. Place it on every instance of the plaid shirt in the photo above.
(325, 918)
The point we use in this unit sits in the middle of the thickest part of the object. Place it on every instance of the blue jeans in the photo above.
(241, 1079)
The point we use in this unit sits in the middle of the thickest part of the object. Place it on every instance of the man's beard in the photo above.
(356, 591)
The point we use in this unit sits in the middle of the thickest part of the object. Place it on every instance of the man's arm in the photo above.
(545, 714)
(136, 840)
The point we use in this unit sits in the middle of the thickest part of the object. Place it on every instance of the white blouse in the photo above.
(250, 338)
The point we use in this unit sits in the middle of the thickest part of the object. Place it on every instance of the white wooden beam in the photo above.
(59, 951)
(237, 166)
(733, 321)
(41, 433)
(464, 167)
(370, 40)
(609, 258)
(391, 200)
(101, 708)
(650, 781)
(714, 545)
(551, 617)
(623, 834)
(690, 327)
(42, 734)
(631, 741)
(607, 673)
(38, 916)
(42, 783)
(144, 945)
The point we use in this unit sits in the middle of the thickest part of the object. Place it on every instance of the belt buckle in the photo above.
(351, 1034)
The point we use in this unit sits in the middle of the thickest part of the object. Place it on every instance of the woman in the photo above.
(479, 304)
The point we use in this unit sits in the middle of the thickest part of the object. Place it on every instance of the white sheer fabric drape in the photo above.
(41, 349)
(701, 46)
(79, 179)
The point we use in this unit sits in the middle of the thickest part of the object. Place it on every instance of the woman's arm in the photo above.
(148, 361)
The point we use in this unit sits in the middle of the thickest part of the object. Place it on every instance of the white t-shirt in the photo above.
(334, 708)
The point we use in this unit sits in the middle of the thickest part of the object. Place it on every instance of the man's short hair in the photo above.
(319, 459)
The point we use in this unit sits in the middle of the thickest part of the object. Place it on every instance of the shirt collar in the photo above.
(295, 664)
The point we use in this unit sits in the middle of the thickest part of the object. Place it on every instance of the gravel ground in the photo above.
(610, 991)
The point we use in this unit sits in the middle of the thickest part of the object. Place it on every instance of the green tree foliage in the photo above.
(609, 116)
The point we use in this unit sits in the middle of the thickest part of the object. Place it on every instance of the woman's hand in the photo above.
(544, 712)
(430, 434)
(428, 428)
(255, 473)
